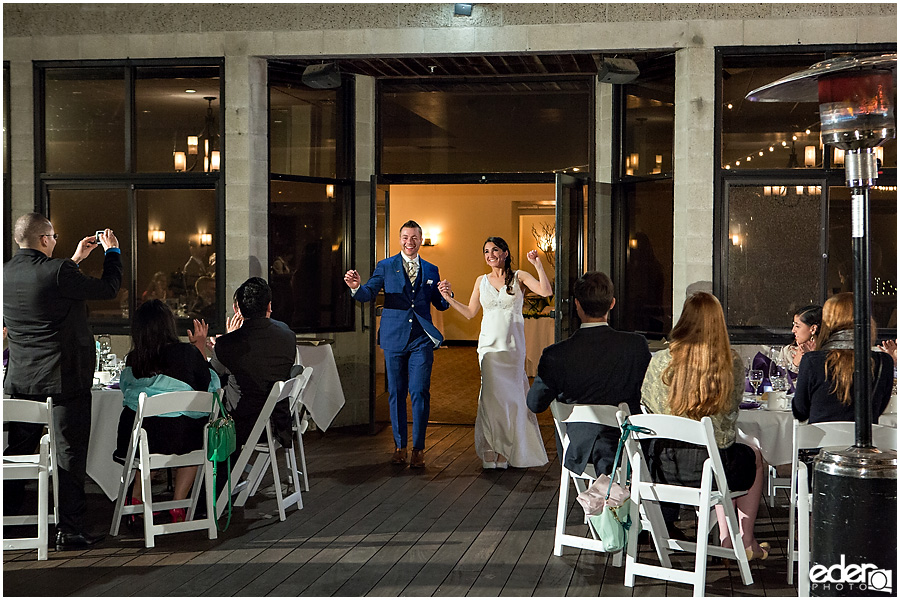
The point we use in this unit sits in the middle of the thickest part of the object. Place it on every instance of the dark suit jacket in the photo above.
(813, 399)
(52, 348)
(258, 354)
(402, 304)
(597, 365)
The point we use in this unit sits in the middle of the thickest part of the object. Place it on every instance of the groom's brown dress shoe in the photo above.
(399, 457)
(418, 459)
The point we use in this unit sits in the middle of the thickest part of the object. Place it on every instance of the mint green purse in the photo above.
(221, 442)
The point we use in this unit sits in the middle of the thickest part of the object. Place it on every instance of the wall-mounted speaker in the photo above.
(617, 70)
(324, 76)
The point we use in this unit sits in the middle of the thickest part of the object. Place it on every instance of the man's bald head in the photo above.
(29, 229)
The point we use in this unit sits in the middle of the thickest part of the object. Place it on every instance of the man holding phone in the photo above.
(51, 353)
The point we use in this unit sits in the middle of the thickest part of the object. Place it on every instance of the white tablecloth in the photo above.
(325, 397)
(538, 335)
(772, 432)
(105, 410)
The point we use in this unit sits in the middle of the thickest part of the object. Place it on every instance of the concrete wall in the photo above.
(246, 34)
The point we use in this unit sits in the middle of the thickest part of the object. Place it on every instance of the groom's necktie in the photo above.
(412, 269)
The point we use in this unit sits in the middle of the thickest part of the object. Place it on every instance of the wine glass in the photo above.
(755, 376)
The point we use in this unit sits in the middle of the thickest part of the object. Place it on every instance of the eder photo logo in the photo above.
(851, 578)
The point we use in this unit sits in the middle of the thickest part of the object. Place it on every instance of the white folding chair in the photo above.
(293, 390)
(808, 437)
(773, 482)
(645, 492)
(138, 458)
(243, 488)
(31, 466)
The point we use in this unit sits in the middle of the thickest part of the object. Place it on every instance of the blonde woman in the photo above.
(825, 383)
(698, 376)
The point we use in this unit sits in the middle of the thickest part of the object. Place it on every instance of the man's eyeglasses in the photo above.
(53, 235)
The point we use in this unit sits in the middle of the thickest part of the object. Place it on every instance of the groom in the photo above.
(406, 335)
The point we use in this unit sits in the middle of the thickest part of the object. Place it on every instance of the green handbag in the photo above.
(221, 442)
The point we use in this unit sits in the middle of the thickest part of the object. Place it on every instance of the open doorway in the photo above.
(456, 219)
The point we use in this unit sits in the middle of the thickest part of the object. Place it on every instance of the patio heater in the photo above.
(854, 489)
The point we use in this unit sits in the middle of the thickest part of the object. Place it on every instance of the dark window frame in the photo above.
(131, 180)
(344, 155)
(827, 176)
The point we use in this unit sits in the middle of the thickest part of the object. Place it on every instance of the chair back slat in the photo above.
(193, 401)
(25, 411)
(298, 386)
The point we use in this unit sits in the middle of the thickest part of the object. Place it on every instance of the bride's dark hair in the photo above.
(507, 270)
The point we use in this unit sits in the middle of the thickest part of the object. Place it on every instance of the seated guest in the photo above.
(699, 375)
(806, 325)
(825, 382)
(158, 363)
(597, 365)
(256, 352)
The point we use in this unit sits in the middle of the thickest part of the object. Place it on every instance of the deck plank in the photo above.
(369, 528)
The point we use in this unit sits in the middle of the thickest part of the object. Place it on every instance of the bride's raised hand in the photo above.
(534, 258)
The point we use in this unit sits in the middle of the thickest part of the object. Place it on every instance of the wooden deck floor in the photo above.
(369, 528)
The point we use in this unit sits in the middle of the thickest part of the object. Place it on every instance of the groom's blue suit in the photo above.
(408, 338)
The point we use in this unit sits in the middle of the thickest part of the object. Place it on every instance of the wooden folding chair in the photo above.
(645, 491)
(138, 459)
(31, 466)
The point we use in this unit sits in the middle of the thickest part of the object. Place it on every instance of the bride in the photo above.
(506, 432)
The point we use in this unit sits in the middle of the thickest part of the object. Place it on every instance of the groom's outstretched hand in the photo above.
(351, 278)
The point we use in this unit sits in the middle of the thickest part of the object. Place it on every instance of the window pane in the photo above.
(883, 260)
(307, 251)
(767, 135)
(84, 113)
(646, 304)
(304, 126)
(774, 256)
(485, 127)
(166, 113)
(79, 213)
(649, 127)
(180, 270)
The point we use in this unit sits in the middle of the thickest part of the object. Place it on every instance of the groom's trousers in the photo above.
(409, 371)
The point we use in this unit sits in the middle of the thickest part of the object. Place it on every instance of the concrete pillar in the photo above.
(603, 168)
(21, 147)
(695, 86)
(246, 170)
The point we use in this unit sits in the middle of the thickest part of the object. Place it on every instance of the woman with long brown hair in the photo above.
(506, 432)
(825, 382)
(698, 376)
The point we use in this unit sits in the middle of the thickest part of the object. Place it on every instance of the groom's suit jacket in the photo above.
(406, 307)
(597, 365)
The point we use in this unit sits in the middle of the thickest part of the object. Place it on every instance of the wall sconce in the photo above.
(157, 236)
(767, 190)
(215, 160)
(192, 142)
(329, 191)
(430, 237)
(814, 190)
(838, 157)
(735, 239)
(634, 160)
(632, 243)
(180, 161)
(809, 156)
(799, 190)
(206, 239)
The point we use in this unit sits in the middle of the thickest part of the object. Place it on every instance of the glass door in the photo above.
(378, 400)
(571, 249)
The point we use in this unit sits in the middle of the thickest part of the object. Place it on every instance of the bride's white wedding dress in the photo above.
(504, 424)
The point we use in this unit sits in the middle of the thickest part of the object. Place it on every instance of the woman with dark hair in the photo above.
(805, 327)
(697, 376)
(825, 383)
(158, 363)
(506, 432)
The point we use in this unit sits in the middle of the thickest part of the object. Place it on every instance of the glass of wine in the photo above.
(755, 376)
